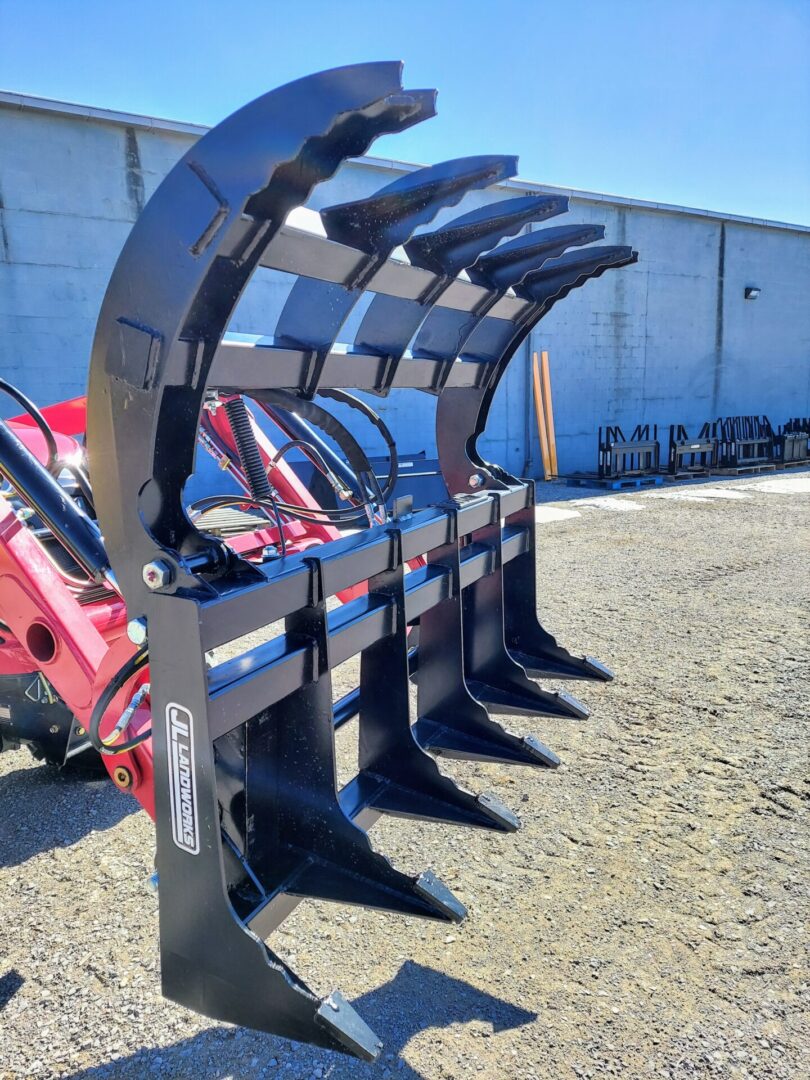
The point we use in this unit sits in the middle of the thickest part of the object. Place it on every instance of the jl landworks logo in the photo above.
(182, 784)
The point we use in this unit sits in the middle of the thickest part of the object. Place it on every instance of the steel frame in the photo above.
(249, 818)
(691, 455)
(744, 440)
(618, 456)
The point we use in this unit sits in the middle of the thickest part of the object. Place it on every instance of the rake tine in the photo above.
(316, 310)
(508, 264)
(457, 245)
(291, 777)
(390, 322)
(451, 720)
(492, 674)
(396, 775)
(511, 606)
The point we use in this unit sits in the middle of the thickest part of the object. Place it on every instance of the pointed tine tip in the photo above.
(600, 670)
(575, 707)
(436, 892)
(499, 813)
(348, 1028)
(541, 753)
(425, 99)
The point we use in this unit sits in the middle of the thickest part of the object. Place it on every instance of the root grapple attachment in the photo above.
(250, 819)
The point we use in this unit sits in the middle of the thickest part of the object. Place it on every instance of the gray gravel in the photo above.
(647, 921)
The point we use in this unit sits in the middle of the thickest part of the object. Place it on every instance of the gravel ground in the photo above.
(649, 919)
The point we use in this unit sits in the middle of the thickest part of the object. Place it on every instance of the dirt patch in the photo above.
(648, 920)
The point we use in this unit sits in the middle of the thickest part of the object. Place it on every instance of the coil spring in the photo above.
(249, 456)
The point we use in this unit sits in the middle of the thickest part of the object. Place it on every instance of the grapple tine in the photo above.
(558, 276)
(493, 341)
(508, 264)
(390, 322)
(386, 219)
(316, 310)
(451, 720)
(493, 676)
(396, 775)
(249, 817)
(458, 244)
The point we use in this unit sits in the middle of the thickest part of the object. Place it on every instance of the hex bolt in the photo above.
(477, 480)
(79, 731)
(136, 630)
(157, 574)
(54, 729)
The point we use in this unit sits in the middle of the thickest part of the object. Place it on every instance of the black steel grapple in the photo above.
(250, 819)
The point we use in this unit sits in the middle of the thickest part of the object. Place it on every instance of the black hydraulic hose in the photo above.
(83, 481)
(378, 422)
(298, 430)
(37, 417)
(324, 420)
(120, 679)
(218, 502)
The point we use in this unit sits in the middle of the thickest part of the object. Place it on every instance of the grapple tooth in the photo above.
(452, 806)
(560, 275)
(520, 697)
(395, 775)
(440, 896)
(316, 310)
(475, 736)
(352, 1033)
(386, 219)
(508, 264)
(390, 322)
(459, 243)
(558, 663)
(238, 991)
(386, 891)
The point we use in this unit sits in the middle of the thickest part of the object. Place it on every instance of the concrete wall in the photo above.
(671, 339)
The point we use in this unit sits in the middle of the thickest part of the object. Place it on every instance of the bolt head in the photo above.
(157, 574)
(122, 777)
(477, 480)
(136, 630)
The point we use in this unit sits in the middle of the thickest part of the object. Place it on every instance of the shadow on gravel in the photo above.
(44, 808)
(415, 1000)
(10, 983)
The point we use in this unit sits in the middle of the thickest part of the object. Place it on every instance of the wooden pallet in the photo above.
(618, 483)
(741, 470)
(690, 474)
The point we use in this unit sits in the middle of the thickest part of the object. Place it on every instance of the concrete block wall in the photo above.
(669, 340)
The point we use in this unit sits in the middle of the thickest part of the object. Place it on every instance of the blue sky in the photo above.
(700, 102)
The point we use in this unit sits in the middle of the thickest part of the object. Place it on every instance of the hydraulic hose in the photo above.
(120, 679)
(37, 417)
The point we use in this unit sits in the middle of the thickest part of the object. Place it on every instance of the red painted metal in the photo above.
(78, 647)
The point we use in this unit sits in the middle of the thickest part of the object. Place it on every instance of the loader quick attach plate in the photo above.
(249, 816)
